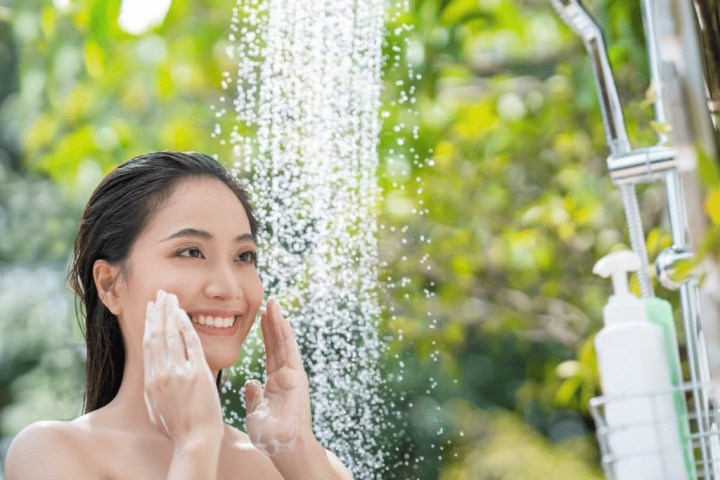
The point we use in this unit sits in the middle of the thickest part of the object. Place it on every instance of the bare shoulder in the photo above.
(45, 450)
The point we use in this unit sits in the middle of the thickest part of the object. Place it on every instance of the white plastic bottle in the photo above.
(635, 375)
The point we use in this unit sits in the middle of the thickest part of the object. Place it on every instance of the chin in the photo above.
(221, 358)
(220, 362)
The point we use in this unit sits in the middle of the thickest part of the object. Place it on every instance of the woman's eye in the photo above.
(192, 252)
(247, 257)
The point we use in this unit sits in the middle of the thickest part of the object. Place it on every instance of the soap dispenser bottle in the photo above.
(634, 367)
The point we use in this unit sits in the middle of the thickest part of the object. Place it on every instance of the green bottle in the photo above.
(659, 312)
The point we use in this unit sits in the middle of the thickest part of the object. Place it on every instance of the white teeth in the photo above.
(210, 321)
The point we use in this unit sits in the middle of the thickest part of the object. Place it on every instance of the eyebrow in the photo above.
(205, 235)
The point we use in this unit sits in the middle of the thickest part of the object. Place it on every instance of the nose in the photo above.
(222, 283)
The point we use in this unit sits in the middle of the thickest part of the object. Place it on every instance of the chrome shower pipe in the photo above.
(573, 13)
(675, 72)
(650, 20)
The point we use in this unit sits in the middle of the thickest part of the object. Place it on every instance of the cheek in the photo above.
(255, 292)
(136, 299)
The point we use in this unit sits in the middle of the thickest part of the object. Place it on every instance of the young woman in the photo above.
(165, 266)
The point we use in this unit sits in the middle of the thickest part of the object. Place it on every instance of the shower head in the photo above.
(577, 18)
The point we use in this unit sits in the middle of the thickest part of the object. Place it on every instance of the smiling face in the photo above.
(198, 245)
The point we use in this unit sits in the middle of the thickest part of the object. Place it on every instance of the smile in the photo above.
(211, 321)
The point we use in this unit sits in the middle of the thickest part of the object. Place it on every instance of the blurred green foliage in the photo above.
(496, 205)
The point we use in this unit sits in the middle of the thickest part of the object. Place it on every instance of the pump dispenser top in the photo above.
(622, 305)
(645, 425)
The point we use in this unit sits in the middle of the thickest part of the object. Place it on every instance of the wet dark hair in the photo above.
(118, 211)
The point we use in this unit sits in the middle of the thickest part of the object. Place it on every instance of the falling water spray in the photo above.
(304, 132)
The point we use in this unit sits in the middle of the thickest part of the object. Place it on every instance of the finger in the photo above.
(271, 360)
(274, 352)
(147, 339)
(286, 351)
(175, 353)
(158, 345)
(193, 347)
(153, 353)
(253, 396)
(149, 358)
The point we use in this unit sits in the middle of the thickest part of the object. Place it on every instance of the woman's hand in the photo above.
(279, 415)
(180, 391)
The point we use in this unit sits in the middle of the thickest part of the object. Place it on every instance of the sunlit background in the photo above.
(496, 205)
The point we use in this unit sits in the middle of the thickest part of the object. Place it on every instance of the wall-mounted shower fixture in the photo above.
(680, 103)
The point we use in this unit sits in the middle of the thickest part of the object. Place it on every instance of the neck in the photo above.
(128, 409)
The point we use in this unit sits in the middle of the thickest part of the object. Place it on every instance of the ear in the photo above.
(106, 276)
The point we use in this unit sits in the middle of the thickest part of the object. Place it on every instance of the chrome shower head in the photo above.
(577, 18)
